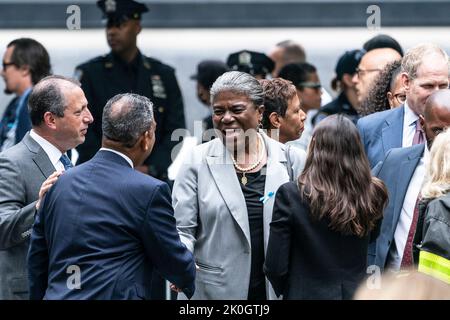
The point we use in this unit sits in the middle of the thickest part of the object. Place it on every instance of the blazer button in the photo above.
(160, 109)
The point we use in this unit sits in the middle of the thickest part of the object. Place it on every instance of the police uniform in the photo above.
(105, 76)
(255, 63)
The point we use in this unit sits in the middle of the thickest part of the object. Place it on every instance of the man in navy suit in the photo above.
(403, 173)
(424, 70)
(104, 228)
(25, 62)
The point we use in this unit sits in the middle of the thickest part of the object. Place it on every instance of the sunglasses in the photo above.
(312, 85)
(6, 64)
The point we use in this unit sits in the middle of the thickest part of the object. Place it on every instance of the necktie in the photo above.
(66, 162)
(418, 135)
(407, 253)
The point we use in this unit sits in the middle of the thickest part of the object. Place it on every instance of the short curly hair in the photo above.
(277, 94)
(377, 98)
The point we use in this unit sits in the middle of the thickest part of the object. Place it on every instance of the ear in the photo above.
(138, 28)
(406, 82)
(145, 140)
(390, 96)
(50, 120)
(274, 120)
(25, 70)
(347, 80)
(261, 109)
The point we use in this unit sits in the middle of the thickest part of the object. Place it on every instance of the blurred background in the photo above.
(183, 32)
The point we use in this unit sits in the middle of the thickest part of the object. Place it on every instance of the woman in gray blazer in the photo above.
(223, 196)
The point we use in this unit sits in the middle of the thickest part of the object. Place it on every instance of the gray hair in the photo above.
(241, 83)
(414, 57)
(48, 96)
(293, 52)
(125, 117)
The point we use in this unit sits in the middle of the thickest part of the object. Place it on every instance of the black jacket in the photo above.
(307, 260)
(432, 236)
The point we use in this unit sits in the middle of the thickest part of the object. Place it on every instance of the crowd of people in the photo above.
(291, 194)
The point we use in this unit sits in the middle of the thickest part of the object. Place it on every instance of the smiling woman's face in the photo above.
(234, 114)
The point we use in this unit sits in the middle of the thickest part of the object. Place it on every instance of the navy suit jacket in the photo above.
(380, 132)
(396, 172)
(113, 224)
(23, 122)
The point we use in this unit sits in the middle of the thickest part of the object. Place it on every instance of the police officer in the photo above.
(126, 69)
(255, 63)
(347, 101)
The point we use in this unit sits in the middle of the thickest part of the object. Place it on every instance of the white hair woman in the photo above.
(223, 197)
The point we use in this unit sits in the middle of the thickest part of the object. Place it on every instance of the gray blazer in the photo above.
(23, 169)
(212, 216)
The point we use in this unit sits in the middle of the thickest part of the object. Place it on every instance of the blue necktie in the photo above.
(66, 162)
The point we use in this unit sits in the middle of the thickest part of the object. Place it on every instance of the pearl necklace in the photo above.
(253, 166)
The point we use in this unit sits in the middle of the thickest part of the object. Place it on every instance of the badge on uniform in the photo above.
(110, 6)
(158, 87)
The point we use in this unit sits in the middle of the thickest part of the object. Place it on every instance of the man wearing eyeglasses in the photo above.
(425, 69)
(370, 67)
(25, 62)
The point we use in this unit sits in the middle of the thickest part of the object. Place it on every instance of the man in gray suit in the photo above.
(60, 118)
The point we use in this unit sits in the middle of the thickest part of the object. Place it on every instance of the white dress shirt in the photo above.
(406, 215)
(409, 126)
(52, 152)
(120, 154)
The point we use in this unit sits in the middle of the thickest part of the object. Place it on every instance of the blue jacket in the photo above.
(112, 224)
(396, 172)
(380, 132)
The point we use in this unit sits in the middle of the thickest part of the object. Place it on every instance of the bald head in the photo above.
(286, 52)
(126, 117)
(437, 114)
(370, 67)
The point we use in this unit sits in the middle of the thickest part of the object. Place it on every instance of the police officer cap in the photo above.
(208, 71)
(118, 11)
(348, 63)
(254, 63)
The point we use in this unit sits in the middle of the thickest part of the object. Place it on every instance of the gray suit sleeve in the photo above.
(185, 203)
(16, 214)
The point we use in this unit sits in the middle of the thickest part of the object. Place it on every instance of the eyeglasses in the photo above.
(6, 64)
(400, 97)
(361, 72)
(312, 85)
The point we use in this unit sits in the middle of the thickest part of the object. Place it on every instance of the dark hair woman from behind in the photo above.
(321, 225)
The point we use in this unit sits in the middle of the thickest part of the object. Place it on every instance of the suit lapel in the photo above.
(221, 167)
(40, 158)
(392, 133)
(407, 168)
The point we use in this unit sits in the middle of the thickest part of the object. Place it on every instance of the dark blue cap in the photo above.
(119, 10)
(254, 63)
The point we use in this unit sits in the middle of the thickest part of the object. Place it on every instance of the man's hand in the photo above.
(46, 185)
(174, 288)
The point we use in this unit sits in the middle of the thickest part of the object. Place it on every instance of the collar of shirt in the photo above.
(120, 154)
(410, 116)
(52, 152)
